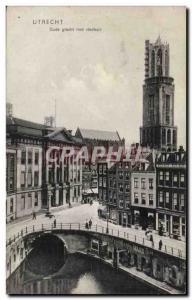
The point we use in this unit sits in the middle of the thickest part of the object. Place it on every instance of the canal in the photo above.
(79, 275)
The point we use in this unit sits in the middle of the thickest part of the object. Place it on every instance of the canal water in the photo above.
(79, 275)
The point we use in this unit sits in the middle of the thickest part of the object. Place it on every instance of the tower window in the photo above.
(168, 136)
(163, 136)
(166, 63)
(174, 137)
(167, 109)
(151, 108)
(159, 63)
(153, 64)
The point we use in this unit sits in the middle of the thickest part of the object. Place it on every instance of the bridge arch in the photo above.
(47, 254)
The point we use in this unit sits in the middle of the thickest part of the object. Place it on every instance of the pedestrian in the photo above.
(160, 244)
(34, 215)
(54, 223)
(151, 239)
(90, 224)
(86, 225)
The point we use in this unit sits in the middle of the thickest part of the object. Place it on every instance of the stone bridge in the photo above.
(166, 265)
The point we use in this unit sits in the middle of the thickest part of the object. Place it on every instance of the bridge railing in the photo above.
(97, 229)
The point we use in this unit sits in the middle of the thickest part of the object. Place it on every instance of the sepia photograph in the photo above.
(96, 150)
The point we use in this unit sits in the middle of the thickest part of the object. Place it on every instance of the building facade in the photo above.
(33, 182)
(119, 182)
(91, 138)
(171, 194)
(143, 195)
(11, 183)
(158, 130)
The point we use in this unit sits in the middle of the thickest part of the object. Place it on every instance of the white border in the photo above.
(3, 4)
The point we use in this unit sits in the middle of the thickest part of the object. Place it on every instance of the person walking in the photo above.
(160, 244)
(55, 223)
(151, 239)
(90, 223)
(86, 225)
(34, 215)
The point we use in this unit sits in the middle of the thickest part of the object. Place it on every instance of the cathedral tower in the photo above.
(158, 130)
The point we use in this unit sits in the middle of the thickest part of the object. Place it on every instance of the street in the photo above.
(83, 213)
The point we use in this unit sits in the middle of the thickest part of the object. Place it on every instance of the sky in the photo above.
(96, 77)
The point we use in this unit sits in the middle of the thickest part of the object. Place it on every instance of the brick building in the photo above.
(143, 194)
(171, 193)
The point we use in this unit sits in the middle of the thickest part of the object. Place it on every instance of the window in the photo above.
(150, 199)
(30, 157)
(100, 169)
(174, 137)
(126, 188)
(161, 199)
(36, 199)
(163, 136)
(29, 200)
(159, 63)
(11, 205)
(151, 183)
(136, 183)
(121, 203)
(136, 198)
(23, 157)
(79, 191)
(167, 111)
(167, 197)
(29, 179)
(143, 199)
(104, 181)
(168, 136)
(126, 175)
(104, 169)
(182, 202)
(78, 175)
(111, 183)
(153, 63)
(166, 63)
(120, 175)
(182, 178)
(161, 175)
(167, 176)
(175, 178)
(22, 179)
(22, 202)
(143, 183)
(151, 108)
(175, 201)
(120, 187)
(36, 178)
(36, 158)
(114, 197)
(100, 181)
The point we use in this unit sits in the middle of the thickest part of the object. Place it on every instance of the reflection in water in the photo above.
(86, 283)
(79, 275)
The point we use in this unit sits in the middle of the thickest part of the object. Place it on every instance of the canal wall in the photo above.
(155, 264)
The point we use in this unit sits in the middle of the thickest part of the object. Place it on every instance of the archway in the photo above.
(48, 254)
